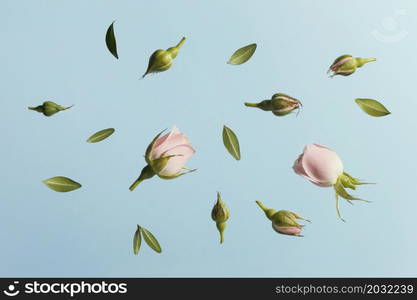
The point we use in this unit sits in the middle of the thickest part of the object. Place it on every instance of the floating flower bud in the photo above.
(323, 167)
(280, 104)
(283, 221)
(161, 60)
(166, 157)
(346, 65)
(220, 214)
(48, 108)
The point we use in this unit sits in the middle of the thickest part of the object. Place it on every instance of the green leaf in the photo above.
(372, 107)
(242, 55)
(62, 184)
(231, 142)
(137, 240)
(100, 135)
(111, 41)
(150, 240)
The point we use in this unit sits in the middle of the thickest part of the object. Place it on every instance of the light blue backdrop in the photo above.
(55, 50)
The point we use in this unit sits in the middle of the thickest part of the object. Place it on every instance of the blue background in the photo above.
(55, 50)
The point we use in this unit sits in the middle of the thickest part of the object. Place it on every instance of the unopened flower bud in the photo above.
(166, 157)
(48, 108)
(346, 65)
(161, 60)
(280, 104)
(220, 214)
(283, 221)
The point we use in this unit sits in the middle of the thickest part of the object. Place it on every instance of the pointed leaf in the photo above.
(111, 41)
(100, 135)
(137, 240)
(242, 55)
(62, 184)
(231, 142)
(372, 107)
(150, 240)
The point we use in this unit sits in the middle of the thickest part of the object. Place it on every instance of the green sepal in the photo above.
(176, 175)
(159, 164)
(285, 218)
(340, 190)
(150, 146)
(345, 180)
(347, 183)
(356, 181)
(337, 207)
(298, 217)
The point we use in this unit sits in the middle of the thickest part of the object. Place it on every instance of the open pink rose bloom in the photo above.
(166, 157)
(323, 167)
(319, 164)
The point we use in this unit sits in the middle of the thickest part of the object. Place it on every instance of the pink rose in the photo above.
(176, 146)
(319, 164)
(166, 157)
(323, 167)
(286, 230)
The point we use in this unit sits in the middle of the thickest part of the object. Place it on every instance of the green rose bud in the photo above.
(346, 65)
(283, 221)
(280, 104)
(220, 214)
(49, 108)
(161, 60)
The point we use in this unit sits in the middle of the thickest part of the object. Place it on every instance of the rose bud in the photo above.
(48, 108)
(220, 214)
(166, 157)
(280, 104)
(161, 60)
(283, 221)
(323, 167)
(346, 65)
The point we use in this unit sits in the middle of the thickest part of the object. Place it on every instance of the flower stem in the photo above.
(361, 61)
(269, 212)
(135, 184)
(251, 104)
(261, 205)
(181, 42)
(146, 173)
(221, 226)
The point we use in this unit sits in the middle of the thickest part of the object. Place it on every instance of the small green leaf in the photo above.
(242, 55)
(137, 240)
(372, 107)
(62, 184)
(111, 41)
(231, 142)
(100, 135)
(150, 240)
